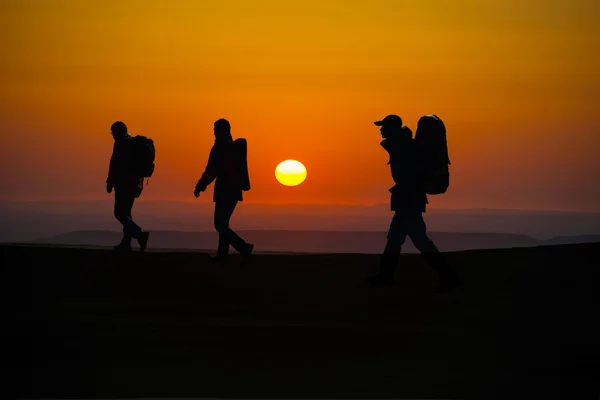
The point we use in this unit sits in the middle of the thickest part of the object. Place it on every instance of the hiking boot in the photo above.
(143, 240)
(247, 252)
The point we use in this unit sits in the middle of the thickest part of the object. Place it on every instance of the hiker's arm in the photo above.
(210, 172)
(112, 168)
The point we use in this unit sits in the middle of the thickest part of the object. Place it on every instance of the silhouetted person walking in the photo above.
(408, 201)
(128, 185)
(227, 164)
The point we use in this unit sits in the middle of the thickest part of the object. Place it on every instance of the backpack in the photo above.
(241, 148)
(142, 155)
(432, 154)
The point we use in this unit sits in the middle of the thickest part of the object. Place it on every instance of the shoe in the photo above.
(247, 253)
(143, 240)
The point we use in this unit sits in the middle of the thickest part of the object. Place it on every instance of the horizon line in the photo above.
(325, 231)
(386, 204)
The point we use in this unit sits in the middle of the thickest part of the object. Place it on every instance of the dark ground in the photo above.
(91, 323)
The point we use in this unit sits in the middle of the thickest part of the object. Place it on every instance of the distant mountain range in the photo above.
(24, 221)
(313, 241)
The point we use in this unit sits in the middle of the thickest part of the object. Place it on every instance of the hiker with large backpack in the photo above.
(415, 167)
(132, 160)
(227, 163)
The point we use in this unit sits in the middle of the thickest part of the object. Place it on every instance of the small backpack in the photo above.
(241, 148)
(432, 154)
(142, 156)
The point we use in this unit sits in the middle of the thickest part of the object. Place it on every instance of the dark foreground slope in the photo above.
(91, 323)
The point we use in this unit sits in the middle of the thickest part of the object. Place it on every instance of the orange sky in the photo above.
(516, 82)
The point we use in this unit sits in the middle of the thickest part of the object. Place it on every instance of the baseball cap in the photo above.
(390, 120)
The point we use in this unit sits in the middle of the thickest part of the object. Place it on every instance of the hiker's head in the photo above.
(118, 129)
(390, 125)
(222, 129)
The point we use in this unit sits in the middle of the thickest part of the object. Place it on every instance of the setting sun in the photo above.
(290, 173)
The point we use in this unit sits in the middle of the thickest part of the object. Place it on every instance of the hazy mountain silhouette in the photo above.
(574, 239)
(313, 241)
(20, 221)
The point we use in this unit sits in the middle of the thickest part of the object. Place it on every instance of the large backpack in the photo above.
(241, 148)
(142, 156)
(432, 154)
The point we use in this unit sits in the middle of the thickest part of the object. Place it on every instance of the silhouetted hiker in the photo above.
(126, 176)
(227, 164)
(408, 201)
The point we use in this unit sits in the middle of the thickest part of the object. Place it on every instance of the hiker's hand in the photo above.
(197, 192)
(108, 189)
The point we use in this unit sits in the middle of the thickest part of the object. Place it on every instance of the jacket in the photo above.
(120, 176)
(223, 166)
(408, 192)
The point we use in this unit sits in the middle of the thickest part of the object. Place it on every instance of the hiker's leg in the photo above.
(417, 231)
(221, 223)
(236, 241)
(133, 227)
(222, 217)
(121, 214)
(395, 239)
(223, 212)
(396, 235)
(123, 205)
(429, 251)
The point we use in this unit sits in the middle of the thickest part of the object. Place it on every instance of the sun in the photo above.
(290, 173)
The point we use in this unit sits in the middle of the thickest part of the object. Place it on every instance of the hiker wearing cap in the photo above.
(409, 202)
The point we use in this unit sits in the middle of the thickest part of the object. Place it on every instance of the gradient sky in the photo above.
(516, 82)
